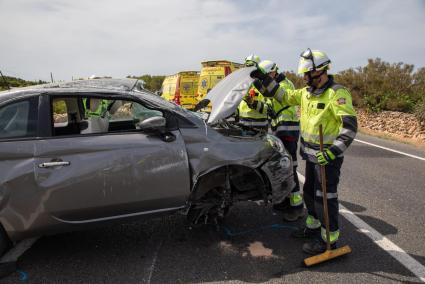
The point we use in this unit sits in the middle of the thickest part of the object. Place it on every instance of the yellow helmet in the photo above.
(312, 60)
(252, 60)
(268, 66)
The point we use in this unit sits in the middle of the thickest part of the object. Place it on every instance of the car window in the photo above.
(187, 88)
(19, 119)
(91, 115)
(67, 115)
(60, 113)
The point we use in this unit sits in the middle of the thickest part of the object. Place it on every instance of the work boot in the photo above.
(306, 233)
(316, 246)
(292, 214)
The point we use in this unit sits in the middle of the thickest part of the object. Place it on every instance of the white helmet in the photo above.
(268, 66)
(252, 60)
(312, 60)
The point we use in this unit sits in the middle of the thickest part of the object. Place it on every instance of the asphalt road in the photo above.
(383, 188)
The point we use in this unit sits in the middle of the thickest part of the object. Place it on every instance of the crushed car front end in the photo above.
(226, 169)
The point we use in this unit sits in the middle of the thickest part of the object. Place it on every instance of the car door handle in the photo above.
(53, 164)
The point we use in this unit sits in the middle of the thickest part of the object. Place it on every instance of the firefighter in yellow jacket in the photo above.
(252, 110)
(322, 102)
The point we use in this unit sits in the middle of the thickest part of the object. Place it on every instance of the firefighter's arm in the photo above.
(250, 96)
(270, 88)
(259, 106)
(343, 109)
(253, 101)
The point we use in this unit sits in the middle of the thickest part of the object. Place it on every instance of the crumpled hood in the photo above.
(228, 93)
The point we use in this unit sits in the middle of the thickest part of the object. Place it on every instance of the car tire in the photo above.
(198, 215)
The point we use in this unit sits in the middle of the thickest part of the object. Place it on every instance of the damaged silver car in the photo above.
(90, 152)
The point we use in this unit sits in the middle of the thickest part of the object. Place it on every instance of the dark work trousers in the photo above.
(313, 194)
(291, 146)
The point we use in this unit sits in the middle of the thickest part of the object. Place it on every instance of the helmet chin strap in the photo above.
(311, 78)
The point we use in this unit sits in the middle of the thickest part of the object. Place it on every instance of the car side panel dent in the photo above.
(213, 150)
(17, 180)
(113, 175)
(242, 179)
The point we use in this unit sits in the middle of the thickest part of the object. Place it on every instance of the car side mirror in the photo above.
(152, 124)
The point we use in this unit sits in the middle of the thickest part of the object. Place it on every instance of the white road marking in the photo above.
(389, 149)
(14, 253)
(398, 253)
(152, 268)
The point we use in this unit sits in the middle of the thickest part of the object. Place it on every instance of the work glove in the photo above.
(325, 157)
(260, 85)
(259, 73)
(250, 96)
(257, 84)
(270, 112)
(280, 77)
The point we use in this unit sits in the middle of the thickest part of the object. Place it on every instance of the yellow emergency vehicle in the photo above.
(181, 88)
(211, 73)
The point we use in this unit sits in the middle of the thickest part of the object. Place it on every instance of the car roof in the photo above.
(112, 86)
(125, 88)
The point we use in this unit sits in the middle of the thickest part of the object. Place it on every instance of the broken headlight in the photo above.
(276, 143)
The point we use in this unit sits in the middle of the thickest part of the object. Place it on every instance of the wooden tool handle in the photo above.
(324, 193)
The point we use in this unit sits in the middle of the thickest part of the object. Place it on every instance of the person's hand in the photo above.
(259, 73)
(325, 157)
(270, 112)
(249, 100)
(280, 77)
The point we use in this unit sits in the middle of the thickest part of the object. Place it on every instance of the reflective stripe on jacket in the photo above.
(286, 123)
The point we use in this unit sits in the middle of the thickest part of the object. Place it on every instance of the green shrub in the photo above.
(295, 79)
(403, 103)
(384, 86)
(59, 107)
(14, 82)
(152, 82)
(420, 111)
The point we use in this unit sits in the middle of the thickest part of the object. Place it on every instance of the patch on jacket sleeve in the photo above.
(341, 101)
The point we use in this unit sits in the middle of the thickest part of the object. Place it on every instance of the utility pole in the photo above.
(51, 76)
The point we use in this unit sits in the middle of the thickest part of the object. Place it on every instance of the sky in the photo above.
(80, 38)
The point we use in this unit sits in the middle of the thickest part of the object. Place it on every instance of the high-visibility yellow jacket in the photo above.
(285, 121)
(330, 106)
(253, 115)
